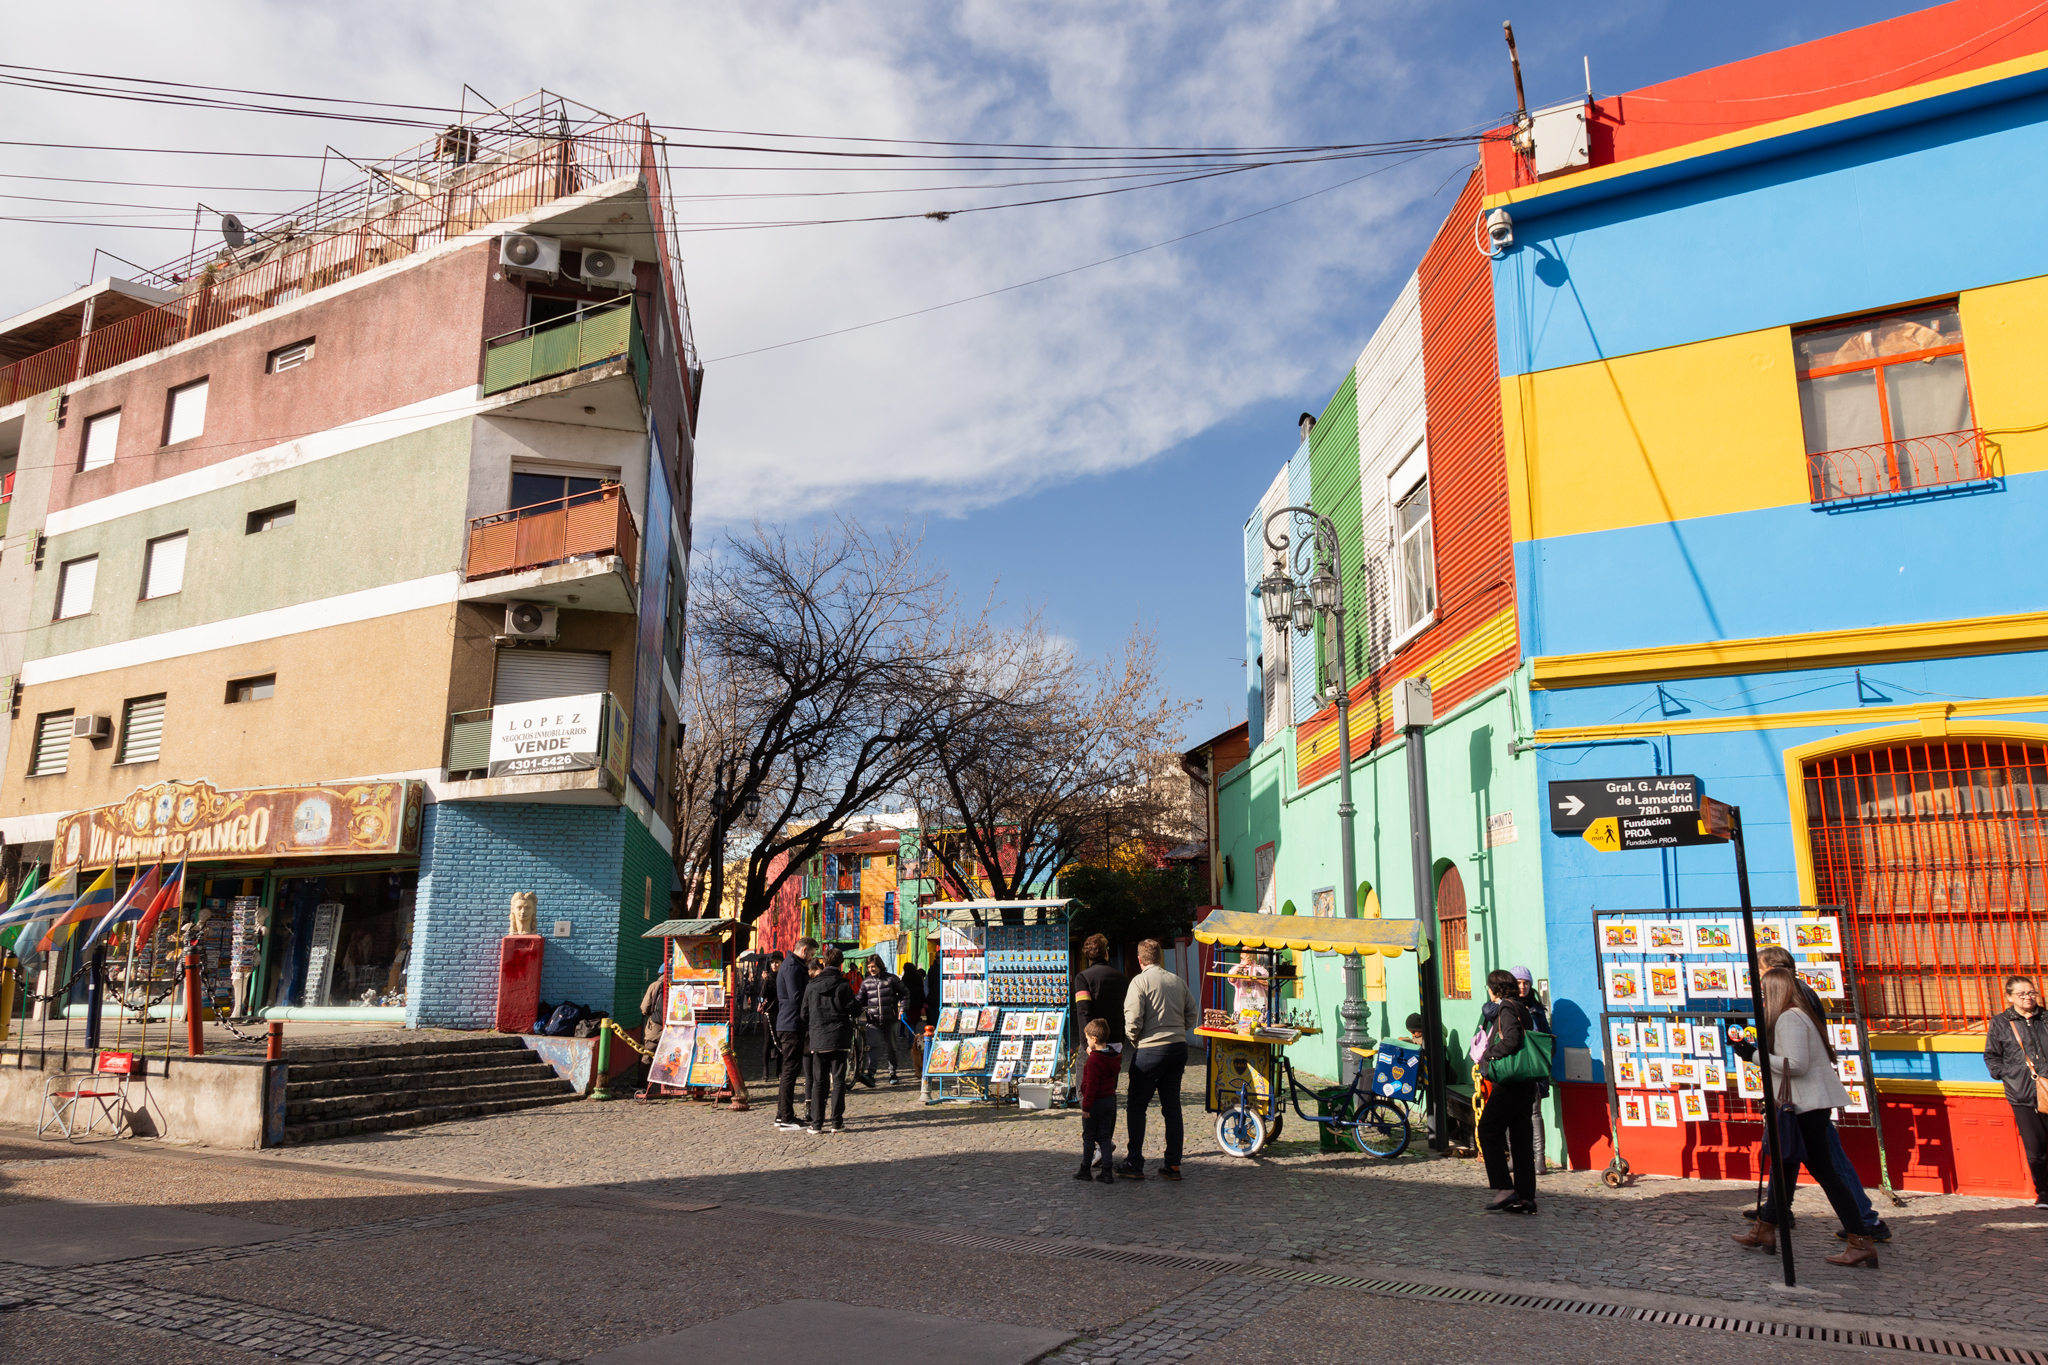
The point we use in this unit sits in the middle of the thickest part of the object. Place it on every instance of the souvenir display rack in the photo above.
(1005, 1000)
(1662, 975)
(696, 1032)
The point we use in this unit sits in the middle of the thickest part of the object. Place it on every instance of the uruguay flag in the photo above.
(30, 915)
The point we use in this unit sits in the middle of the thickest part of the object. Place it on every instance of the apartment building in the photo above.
(346, 560)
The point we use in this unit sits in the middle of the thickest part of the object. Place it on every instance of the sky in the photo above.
(1091, 444)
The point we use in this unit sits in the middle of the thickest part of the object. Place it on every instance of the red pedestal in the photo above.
(519, 981)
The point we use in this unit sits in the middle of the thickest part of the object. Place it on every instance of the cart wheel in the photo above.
(1381, 1129)
(1240, 1132)
(1616, 1174)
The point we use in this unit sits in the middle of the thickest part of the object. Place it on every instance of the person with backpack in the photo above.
(828, 1011)
(1506, 1127)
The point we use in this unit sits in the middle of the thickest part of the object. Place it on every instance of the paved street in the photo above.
(564, 1233)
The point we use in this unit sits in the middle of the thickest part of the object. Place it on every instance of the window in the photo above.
(74, 586)
(185, 414)
(53, 745)
(542, 308)
(1415, 553)
(1885, 403)
(291, 357)
(552, 490)
(1452, 922)
(163, 566)
(142, 729)
(253, 689)
(271, 518)
(101, 435)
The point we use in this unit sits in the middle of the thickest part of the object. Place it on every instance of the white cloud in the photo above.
(954, 410)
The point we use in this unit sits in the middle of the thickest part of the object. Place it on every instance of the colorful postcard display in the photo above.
(1635, 1111)
(1823, 978)
(1621, 936)
(987, 1022)
(1004, 1071)
(1714, 936)
(949, 1019)
(1770, 933)
(1859, 1099)
(1679, 1036)
(1628, 1071)
(1664, 938)
(1749, 1080)
(1706, 1041)
(1040, 1069)
(1653, 1072)
(679, 1014)
(1692, 1106)
(1622, 1035)
(1666, 984)
(1849, 1067)
(1821, 934)
(1010, 1050)
(1713, 1076)
(1682, 1073)
(973, 1055)
(1663, 1111)
(1843, 1036)
(1650, 1033)
(1710, 980)
(1624, 986)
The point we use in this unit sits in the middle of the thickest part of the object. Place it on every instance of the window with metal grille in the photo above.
(53, 744)
(163, 566)
(1451, 937)
(102, 433)
(1885, 403)
(292, 356)
(142, 729)
(185, 412)
(1937, 855)
(74, 586)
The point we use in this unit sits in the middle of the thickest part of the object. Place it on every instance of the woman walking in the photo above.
(1506, 1126)
(1803, 1063)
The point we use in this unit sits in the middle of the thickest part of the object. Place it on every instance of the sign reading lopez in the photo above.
(558, 735)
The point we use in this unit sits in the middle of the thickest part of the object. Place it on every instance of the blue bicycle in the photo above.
(1369, 1123)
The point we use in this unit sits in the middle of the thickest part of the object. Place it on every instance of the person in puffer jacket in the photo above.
(881, 995)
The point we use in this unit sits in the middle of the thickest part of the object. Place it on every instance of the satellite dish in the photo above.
(232, 231)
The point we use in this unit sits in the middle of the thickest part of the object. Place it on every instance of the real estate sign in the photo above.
(557, 735)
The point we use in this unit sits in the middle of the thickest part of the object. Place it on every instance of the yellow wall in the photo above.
(2005, 340)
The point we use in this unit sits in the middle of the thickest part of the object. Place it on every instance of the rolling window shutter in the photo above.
(142, 730)
(166, 571)
(188, 413)
(101, 435)
(74, 586)
(537, 674)
(53, 744)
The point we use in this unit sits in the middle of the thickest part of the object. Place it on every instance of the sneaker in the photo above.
(1104, 1178)
(1086, 1172)
(1130, 1172)
(1169, 1172)
(837, 1128)
(815, 1132)
(788, 1126)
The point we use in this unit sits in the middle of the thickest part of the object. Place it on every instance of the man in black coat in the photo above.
(881, 996)
(828, 1018)
(2016, 1052)
(788, 1025)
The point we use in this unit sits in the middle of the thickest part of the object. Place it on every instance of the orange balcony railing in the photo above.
(580, 526)
(1915, 466)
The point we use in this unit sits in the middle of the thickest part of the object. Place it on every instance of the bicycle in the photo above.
(1371, 1123)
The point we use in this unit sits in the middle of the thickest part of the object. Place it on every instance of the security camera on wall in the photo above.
(1500, 230)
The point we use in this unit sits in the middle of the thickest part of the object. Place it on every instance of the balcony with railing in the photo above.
(1908, 469)
(595, 335)
(582, 769)
(581, 549)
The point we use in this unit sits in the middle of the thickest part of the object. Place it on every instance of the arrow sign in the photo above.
(1576, 805)
(1628, 833)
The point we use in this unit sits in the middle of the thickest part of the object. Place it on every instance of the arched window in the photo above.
(1937, 855)
(1451, 940)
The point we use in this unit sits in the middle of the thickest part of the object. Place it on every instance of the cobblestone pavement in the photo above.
(1970, 1262)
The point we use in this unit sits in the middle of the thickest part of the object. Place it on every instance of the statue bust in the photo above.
(525, 912)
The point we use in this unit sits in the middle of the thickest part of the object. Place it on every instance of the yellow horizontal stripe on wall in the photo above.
(2014, 634)
(1926, 1042)
(1933, 719)
(1318, 740)
(1817, 118)
(1688, 431)
(1892, 1086)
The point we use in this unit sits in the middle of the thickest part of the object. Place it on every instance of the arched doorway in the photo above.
(1450, 932)
(1937, 854)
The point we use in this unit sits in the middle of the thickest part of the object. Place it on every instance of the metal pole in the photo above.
(1425, 912)
(195, 1025)
(95, 996)
(1780, 1195)
(1353, 1014)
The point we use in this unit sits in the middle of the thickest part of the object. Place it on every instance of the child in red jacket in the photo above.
(1098, 1103)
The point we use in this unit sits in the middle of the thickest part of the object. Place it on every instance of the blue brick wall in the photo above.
(473, 856)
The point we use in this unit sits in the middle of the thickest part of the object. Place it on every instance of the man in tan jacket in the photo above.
(1158, 1012)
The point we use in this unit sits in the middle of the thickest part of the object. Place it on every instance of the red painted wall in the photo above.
(1947, 40)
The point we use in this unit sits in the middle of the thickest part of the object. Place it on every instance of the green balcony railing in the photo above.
(592, 335)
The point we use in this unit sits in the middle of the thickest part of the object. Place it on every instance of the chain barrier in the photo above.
(627, 1038)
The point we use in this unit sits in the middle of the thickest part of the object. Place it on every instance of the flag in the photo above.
(30, 915)
(92, 902)
(134, 901)
(24, 904)
(28, 887)
(170, 897)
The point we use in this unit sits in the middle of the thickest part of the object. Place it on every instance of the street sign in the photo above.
(1576, 805)
(1627, 833)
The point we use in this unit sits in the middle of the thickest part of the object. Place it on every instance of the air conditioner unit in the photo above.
(92, 727)
(529, 621)
(607, 270)
(535, 255)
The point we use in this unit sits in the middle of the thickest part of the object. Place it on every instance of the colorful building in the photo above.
(1754, 500)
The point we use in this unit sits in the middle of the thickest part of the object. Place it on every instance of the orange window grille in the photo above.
(1885, 403)
(1937, 855)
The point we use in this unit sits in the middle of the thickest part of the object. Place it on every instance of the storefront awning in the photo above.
(1241, 929)
(692, 928)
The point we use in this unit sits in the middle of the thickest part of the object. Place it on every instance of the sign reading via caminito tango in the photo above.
(197, 820)
(1574, 806)
(558, 735)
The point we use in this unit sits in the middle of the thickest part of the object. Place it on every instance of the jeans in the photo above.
(1157, 1070)
(1537, 1133)
(1853, 1182)
(789, 1050)
(1098, 1127)
(1507, 1128)
(888, 1031)
(826, 1074)
(2033, 1126)
(1815, 1138)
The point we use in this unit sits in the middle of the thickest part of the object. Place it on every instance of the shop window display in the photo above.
(343, 941)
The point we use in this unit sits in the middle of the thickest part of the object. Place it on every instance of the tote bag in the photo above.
(1529, 1062)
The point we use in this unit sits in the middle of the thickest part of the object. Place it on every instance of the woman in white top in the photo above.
(1803, 1068)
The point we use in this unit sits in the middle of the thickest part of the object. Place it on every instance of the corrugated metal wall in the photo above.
(1391, 426)
(1333, 477)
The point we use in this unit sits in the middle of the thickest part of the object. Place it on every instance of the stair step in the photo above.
(295, 1134)
(426, 1047)
(400, 1101)
(376, 1082)
(424, 1064)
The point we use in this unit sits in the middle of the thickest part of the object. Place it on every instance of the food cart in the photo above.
(1248, 1033)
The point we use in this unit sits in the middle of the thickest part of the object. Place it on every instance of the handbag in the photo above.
(1529, 1062)
(2040, 1086)
(1791, 1142)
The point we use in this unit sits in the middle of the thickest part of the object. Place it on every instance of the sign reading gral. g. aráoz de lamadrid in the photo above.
(558, 735)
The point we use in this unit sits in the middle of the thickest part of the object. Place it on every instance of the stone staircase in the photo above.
(334, 1092)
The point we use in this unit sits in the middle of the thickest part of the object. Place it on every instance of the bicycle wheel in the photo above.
(1381, 1128)
(1240, 1131)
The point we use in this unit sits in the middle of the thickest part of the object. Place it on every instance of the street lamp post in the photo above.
(1318, 561)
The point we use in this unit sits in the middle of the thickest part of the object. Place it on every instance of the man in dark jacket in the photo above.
(788, 1025)
(828, 1020)
(881, 996)
(2016, 1052)
(911, 978)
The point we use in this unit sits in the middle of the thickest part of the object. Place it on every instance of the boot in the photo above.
(1760, 1234)
(1860, 1251)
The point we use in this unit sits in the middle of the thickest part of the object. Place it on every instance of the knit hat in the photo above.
(1522, 974)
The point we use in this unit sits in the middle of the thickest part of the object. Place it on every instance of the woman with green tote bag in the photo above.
(1516, 1058)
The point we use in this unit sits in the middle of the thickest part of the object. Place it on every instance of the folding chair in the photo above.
(104, 1096)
